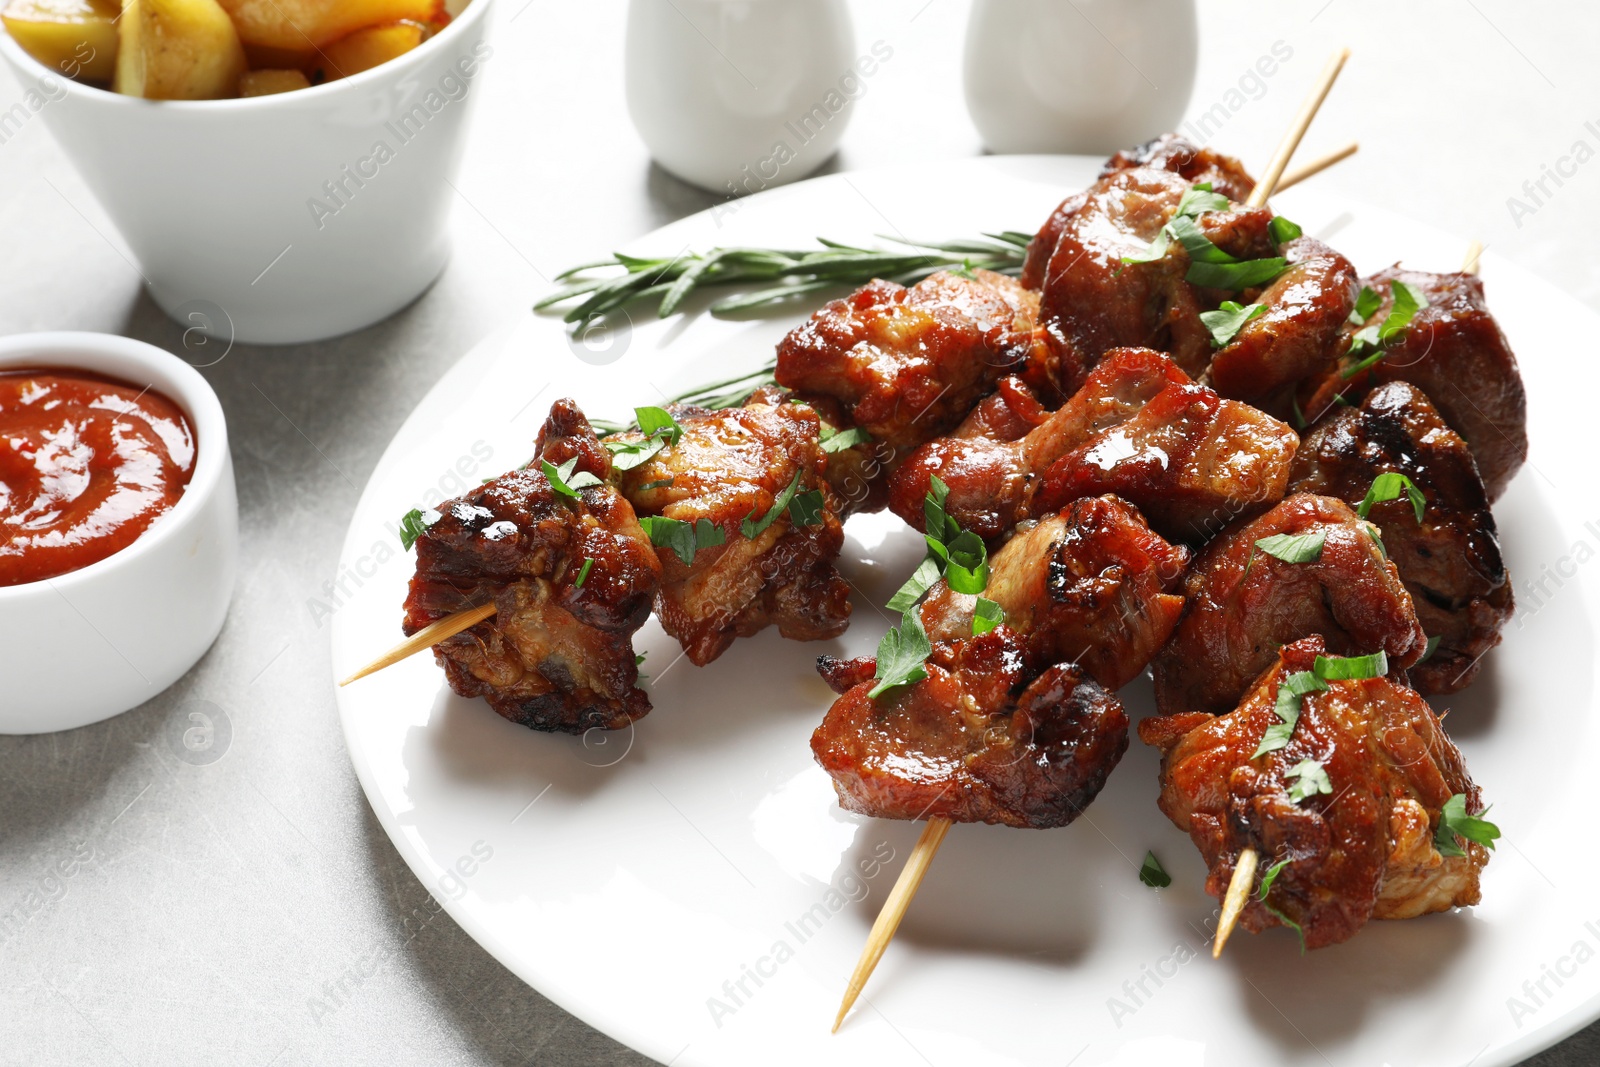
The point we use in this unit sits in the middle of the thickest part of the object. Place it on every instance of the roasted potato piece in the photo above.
(298, 25)
(178, 50)
(366, 49)
(267, 82)
(77, 38)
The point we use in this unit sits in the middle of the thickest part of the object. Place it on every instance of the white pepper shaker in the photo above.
(1086, 76)
(741, 95)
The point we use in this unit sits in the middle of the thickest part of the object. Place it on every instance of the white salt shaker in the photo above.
(737, 96)
(1087, 76)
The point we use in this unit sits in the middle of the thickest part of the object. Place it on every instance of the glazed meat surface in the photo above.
(975, 741)
(1307, 308)
(730, 466)
(1364, 850)
(1454, 352)
(907, 365)
(1139, 428)
(556, 655)
(1091, 301)
(1243, 603)
(1450, 560)
(1092, 585)
(1170, 152)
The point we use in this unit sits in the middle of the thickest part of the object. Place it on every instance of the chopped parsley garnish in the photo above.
(1366, 303)
(986, 615)
(664, 483)
(1432, 647)
(839, 440)
(583, 572)
(1351, 668)
(1200, 199)
(1209, 266)
(1290, 690)
(1226, 322)
(1371, 343)
(752, 527)
(1309, 779)
(901, 654)
(563, 479)
(415, 523)
(655, 422)
(1290, 923)
(685, 539)
(660, 431)
(1152, 874)
(1454, 822)
(1283, 231)
(1294, 548)
(959, 555)
(806, 508)
(1270, 877)
(1388, 486)
(1377, 538)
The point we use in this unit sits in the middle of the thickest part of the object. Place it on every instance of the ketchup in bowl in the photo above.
(87, 463)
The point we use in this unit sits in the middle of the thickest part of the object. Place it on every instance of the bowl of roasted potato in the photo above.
(281, 169)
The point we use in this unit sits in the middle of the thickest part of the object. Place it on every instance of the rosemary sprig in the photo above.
(780, 275)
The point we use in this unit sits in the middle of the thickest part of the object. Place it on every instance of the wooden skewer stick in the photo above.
(1474, 251)
(894, 909)
(1244, 880)
(1317, 166)
(426, 637)
(1297, 130)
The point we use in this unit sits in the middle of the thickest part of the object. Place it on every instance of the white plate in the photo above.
(638, 878)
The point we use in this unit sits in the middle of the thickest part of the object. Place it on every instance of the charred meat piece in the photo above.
(1454, 352)
(1170, 152)
(1139, 428)
(1244, 602)
(1092, 585)
(1363, 850)
(1450, 559)
(974, 741)
(730, 466)
(906, 365)
(1296, 337)
(1091, 301)
(557, 655)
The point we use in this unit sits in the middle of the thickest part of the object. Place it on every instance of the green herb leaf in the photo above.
(1387, 486)
(966, 563)
(1432, 647)
(1282, 230)
(938, 525)
(752, 527)
(583, 572)
(664, 483)
(1270, 877)
(986, 615)
(1310, 780)
(1351, 668)
(685, 539)
(1454, 822)
(564, 481)
(901, 655)
(1246, 274)
(415, 523)
(1291, 924)
(840, 440)
(1226, 322)
(1367, 302)
(920, 582)
(1200, 199)
(1156, 250)
(656, 422)
(806, 508)
(1290, 691)
(1373, 342)
(1152, 874)
(1294, 548)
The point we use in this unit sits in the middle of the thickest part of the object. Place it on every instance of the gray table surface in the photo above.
(212, 904)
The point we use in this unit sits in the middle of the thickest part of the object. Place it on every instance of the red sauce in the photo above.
(86, 465)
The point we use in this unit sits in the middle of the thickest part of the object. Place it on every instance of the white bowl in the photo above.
(95, 642)
(218, 199)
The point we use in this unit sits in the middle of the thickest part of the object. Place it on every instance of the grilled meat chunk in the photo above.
(1092, 585)
(1454, 352)
(730, 466)
(1363, 850)
(556, 655)
(1450, 558)
(1244, 602)
(974, 741)
(1139, 428)
(907, 365)
(1296, 337)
